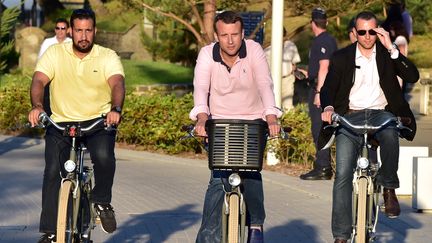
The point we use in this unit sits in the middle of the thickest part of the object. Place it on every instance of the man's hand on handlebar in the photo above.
(273, 125)
(33, 116)
(326, 115)
(113, 118)
(200, 125)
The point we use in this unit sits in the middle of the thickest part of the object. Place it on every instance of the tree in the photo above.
(183, 26)
(196, 16)
(421, 12)
(98, 7)
(8, 18)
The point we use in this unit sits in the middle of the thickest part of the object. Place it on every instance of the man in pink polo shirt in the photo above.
(232, 81)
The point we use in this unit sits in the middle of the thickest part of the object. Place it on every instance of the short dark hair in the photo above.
(319, 17)
(83, 14)
(62, 20)
(228, 17)
(365, 15)
(321, 23)
(351, 24)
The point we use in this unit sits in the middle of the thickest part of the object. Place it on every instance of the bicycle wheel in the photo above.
(361, 210)
(233, 219)
(84, 223)
(65, 222)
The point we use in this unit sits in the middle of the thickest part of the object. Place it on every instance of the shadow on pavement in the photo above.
(156, 227)
(11, 143)
(16, 190)
(293, 231)
(397, 230)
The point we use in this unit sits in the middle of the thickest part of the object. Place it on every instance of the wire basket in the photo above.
(236, 144)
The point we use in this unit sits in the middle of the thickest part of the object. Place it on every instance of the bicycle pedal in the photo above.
(97, 220)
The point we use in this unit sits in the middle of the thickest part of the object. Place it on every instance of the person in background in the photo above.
(92, 84)
(399, 36)
(407, 19)
(61, 35)
(290, 57)
(232, 81)
(322, 48)
(350, 29)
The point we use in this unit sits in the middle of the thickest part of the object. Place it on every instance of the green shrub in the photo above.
(299, 148)
(153, 122)
(14, 103)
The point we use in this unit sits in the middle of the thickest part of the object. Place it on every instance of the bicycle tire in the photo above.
(233, 219)
(84, 222)
(65, 217)
(361, 210)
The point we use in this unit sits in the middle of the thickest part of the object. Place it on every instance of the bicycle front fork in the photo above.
(372, 206)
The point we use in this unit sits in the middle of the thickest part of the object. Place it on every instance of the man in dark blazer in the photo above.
(362, 85)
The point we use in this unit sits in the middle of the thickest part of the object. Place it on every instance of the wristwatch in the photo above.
(393, 47)
(117, 109)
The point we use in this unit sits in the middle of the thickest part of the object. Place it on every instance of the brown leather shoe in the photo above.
(392, 209)
(340, 241)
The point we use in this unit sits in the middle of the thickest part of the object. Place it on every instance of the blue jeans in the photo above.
(252, 188)
(347, 151)
(100, 145)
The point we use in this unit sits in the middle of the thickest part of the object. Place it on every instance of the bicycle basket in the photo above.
(236, 144)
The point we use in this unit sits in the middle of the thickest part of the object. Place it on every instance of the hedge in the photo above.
(153, 122)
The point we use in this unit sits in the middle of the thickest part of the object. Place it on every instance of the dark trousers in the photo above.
(322, 157)
(100, 145)
(210, 230)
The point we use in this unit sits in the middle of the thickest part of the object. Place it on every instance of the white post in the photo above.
(424, 99)
(276, 60)
(276, 48)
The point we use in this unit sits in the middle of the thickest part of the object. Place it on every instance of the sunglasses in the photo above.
(363, 32)
(60, 28)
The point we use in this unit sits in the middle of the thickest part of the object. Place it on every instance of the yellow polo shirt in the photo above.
(79, 88)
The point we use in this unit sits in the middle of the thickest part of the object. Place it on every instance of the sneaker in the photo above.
(47, 238)
(106, 215)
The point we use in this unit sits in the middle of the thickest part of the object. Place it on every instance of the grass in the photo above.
(419, 51)
(149, 72)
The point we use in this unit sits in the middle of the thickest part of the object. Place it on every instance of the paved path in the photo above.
(159, 198)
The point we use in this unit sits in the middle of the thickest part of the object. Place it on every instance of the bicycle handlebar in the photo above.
(44, 118)
(362, 129)
(190, 130)
(336, 118)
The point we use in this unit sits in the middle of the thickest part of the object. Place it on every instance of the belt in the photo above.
(351, 111)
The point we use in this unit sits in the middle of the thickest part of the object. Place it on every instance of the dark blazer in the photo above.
(340, 79)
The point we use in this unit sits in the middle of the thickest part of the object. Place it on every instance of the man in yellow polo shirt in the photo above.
(87, 80)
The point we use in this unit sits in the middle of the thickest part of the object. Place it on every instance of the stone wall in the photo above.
(27, 43)
(127, 44)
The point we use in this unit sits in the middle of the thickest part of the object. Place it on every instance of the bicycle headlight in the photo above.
(69, 166)
(363, 163)
(234, 179)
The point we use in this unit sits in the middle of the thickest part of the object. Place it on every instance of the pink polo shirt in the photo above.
(244, 92)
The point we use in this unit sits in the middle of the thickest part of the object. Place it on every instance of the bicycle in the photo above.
(366, 193)
(76, 216)
(235, 146)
